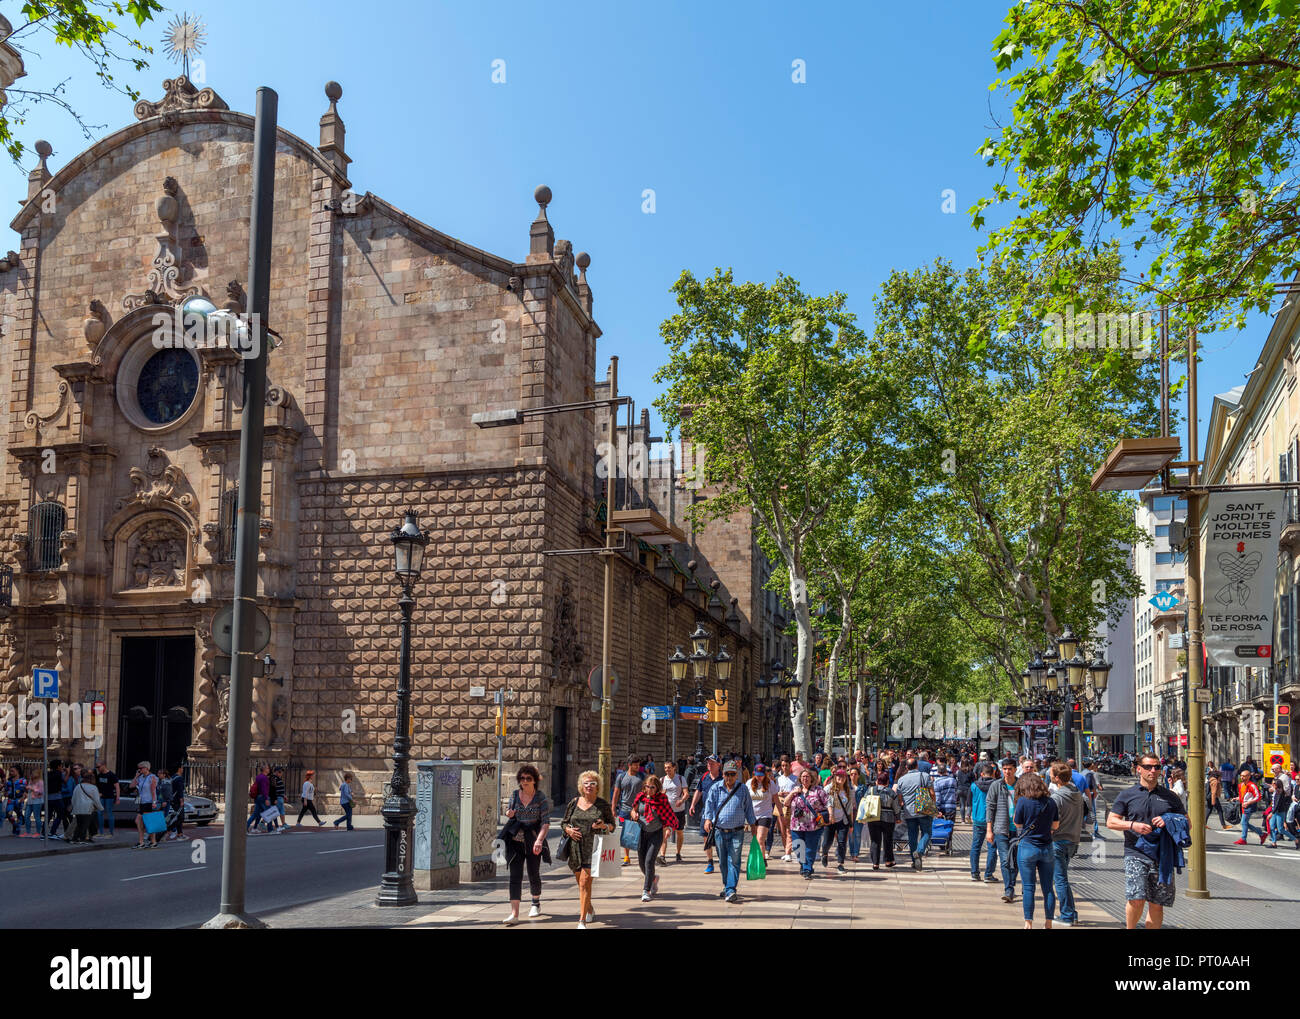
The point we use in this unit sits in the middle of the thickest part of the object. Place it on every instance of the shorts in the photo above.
(1142, 884)
(144, 808)
(681, 819)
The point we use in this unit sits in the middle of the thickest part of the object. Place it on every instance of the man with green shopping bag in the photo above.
(727, 812)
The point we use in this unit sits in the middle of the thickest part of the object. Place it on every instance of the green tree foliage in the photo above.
(1007, 428)
(89, 26)
(1173, 124)
(771, 387)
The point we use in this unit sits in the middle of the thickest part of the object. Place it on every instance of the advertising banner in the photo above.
(1241, 538)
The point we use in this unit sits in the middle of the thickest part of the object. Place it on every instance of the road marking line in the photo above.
(25, 866)
(351, 849)
(163, 873)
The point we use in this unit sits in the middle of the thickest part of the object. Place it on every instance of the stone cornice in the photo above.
(173, 121)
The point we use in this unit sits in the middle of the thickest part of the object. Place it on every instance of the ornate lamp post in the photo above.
(397, 886)
(760, 692)
(699, 672)
(677, 665)
(791, 688)
(723, 662)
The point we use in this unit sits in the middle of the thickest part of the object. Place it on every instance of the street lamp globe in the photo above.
(700, 638)
(791, 687)
(408, 543)
(723, 662)
(1077, 668)
(760, 688)
(1067, 643)
(1038, 670)
(1099, 670)
(1052, 679)
(677, 664)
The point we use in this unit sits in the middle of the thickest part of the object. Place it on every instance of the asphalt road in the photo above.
(166, 888)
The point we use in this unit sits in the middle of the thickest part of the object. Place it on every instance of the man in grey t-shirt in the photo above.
(918, 824)
(629, 784)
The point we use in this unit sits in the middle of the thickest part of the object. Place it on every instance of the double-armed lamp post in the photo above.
(397, 886)
(1062, 675)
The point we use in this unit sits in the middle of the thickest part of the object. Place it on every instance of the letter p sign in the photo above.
(45, 683)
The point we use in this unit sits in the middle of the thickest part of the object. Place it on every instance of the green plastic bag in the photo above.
(756, 866)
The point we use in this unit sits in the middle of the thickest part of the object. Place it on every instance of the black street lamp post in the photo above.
(677, 665)
(699, 672)
(397, 886)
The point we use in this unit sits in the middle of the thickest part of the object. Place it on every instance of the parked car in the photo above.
(199, 810)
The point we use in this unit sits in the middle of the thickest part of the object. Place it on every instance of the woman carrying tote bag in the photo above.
(880, 828)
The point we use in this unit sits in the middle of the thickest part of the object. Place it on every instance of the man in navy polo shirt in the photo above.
(1137, 811)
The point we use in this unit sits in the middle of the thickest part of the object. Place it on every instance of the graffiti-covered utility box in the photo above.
(479, 819)
(437, 824)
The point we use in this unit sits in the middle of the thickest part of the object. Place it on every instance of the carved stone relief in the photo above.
(156, 556)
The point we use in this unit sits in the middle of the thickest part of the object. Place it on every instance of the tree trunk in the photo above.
(858, 745)
(803, 663)
(832, 682)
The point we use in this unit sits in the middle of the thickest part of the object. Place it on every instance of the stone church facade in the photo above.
(121, 468)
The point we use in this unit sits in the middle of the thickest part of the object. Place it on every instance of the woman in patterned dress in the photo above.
(586, 816)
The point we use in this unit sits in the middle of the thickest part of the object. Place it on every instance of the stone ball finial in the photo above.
(542, 195)
(44, 149)
(583, 260)
(333, 91)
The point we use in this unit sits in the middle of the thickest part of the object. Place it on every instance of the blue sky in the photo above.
(835, 181)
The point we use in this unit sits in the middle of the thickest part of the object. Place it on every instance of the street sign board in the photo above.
(45, 683)
(1203, 695)
(595, 682)
(659, 712)
(694, 712)
(96, 707)
(223, 626)
(1277, 753)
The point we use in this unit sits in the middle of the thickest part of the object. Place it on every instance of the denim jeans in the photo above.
(728, 845)
(978, 833)
(855, 838)
(963, 802)
(918, 845)
(1276, 826)
(1062, 853)
(106, 815)
(839, 834)
(33, 809)
(1003, 842)
(810, 840)
(347, 815)
(259, 805)
(1246, 826)
(1036, 867)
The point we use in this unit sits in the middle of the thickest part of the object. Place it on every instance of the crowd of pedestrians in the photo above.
(1027, 820)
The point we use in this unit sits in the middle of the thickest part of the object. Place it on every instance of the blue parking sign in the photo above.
(45, 683)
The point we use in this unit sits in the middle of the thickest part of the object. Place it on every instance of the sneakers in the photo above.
(1240, 842)
(679, 857)
(1007, 898)
(581, 926)
(976, 877)
(511, 919)
(840, 869)
(590, 918)
(535, 911)
(708, 869)
(645, 896)
(730, 897)
(786, 858)
(140, 845)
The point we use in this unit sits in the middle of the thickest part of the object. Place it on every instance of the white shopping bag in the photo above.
(271, 814)
(604, 858)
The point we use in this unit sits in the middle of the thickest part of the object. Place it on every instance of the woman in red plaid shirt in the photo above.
(654, 813)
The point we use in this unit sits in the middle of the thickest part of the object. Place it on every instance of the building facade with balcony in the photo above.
(1252, 439)
(1161, 570)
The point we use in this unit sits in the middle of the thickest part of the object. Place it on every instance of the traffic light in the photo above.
(1283, 723)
